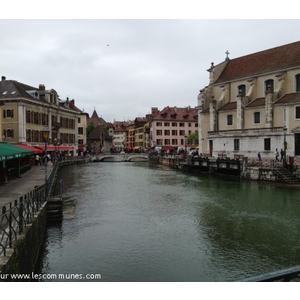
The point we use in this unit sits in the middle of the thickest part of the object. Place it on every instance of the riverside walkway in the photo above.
(17, 187)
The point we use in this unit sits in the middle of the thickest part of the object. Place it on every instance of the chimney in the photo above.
(72, 102)
(3, 78)
(42, 87)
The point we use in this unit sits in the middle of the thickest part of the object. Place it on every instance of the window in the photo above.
(242, 90)
(257, 117)
(8, 133)
(167, 124)
(267, 144)
(167, 142)
(189, 124)
(297, 112)
(167, 132)
(181, 132)
(269, 85)
(174, 132)
(174, 124)
(79, 120)
(8, 113)
(158, 132)
(298, 83)
(174, 141)
(181, 124)
(229, 120)
(80, 130)
(236, 144)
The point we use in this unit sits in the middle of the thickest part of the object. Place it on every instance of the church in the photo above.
(252, 104)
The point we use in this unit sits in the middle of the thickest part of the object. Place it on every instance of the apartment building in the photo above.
(171, 126)
(29, 110)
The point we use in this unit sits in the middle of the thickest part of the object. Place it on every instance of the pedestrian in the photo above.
(37, 160)
(276, 155)
(259, 156)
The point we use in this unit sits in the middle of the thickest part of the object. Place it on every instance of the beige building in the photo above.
(29, 110)
(249, 103)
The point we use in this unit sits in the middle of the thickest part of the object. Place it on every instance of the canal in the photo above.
(133, 222)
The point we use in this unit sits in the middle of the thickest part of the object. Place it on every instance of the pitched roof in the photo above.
(176, 114)
(271, 60)
(228, 106)
(257, 102)
(12, 89)
(289, 98)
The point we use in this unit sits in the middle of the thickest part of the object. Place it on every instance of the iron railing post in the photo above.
(21, 217)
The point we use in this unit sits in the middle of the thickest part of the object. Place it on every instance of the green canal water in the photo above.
(132, 222)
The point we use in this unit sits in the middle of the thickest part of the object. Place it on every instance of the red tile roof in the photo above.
(257, 102)
(228, 106)
(289, 98)
(176, 114)
(271, 60)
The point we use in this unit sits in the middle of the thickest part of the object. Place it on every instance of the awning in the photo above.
(137, 147)
(9, 151)
(168, 148)
(54, 148)
(35, 150)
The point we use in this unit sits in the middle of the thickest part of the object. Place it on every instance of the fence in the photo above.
(17, 214)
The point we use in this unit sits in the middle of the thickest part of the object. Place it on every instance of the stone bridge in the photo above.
(133, 157)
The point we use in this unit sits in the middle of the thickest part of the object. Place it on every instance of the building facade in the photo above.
(171, 126)
(29, 110)
(252, 104)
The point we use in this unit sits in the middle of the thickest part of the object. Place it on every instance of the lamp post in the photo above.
(284, 145)
(46, 132)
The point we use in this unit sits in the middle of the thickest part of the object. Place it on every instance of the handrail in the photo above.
(17, 214)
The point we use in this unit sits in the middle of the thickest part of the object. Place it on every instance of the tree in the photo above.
(90, 128)
(193, 138)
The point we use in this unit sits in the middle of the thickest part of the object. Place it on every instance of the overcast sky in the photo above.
(123, 67)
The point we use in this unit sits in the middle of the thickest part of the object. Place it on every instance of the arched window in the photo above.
(297, 82)
(242, 90)
(269, 85)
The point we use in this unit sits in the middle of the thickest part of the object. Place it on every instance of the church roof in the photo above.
(289, 98)
(267, 61)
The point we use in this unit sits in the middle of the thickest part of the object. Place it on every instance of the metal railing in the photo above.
(285, 275)
(17, 214)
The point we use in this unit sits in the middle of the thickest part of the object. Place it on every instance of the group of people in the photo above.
(39, 160)
(282, 154)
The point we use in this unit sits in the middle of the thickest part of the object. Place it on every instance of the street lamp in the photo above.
(46, 132)
(284, 145)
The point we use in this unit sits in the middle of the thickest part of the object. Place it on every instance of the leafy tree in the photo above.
(193, 138)
(90, 128)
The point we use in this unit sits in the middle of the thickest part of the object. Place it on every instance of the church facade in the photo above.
(252, 104)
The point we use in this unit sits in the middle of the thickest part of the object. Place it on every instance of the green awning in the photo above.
(9, 151)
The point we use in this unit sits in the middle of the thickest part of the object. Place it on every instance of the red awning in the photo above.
(168, 148)
(35, 150)
(53, 148)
